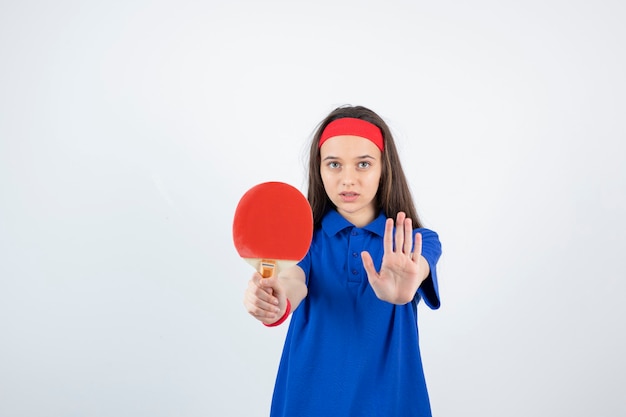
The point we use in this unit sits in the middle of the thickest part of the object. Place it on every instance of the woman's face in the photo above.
(350, 169)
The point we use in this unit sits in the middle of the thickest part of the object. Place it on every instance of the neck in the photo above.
(359, 219)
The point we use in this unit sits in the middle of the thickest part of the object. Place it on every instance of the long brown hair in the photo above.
(393, 193)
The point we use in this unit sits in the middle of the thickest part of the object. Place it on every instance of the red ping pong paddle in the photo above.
(272, 227)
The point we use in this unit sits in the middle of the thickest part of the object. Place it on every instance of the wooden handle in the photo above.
(267, 267)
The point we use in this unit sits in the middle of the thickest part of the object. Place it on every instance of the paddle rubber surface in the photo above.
(273, 220)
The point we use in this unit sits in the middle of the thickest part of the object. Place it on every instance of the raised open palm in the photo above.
(403, 267)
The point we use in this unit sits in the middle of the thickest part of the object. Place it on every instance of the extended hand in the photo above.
(264, 298)
(402, 270)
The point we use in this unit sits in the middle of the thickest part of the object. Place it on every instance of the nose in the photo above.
(347, 177)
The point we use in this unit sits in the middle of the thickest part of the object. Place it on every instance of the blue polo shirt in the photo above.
(347, 353)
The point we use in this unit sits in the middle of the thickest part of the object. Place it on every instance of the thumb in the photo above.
(265, 284)
(368, 264)
(270, 284)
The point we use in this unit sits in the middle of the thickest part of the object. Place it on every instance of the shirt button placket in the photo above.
(355, 245)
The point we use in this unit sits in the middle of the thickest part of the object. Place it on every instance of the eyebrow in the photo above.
(358, 157)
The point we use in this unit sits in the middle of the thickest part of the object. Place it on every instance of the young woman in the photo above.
(352, 346)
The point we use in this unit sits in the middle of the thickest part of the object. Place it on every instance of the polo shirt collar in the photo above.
(333, 223)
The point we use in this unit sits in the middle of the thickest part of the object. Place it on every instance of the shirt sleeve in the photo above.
(431, 250)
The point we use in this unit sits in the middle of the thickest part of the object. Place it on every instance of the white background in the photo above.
(129, 130)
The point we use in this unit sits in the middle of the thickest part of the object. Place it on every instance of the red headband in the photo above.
(353, 127)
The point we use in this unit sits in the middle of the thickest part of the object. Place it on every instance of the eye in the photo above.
(333, 164)
(364, 165)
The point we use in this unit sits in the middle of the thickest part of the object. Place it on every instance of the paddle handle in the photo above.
(267, 267)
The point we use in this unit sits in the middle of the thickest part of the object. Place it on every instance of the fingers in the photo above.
(417, 248)
(403, 234)
(368, 264)
(259, 298)
(388, 236)
(408, 236)
(400, 231)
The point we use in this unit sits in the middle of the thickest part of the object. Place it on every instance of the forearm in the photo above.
(293, 283)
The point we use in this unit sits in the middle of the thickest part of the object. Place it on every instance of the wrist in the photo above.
(283, 318)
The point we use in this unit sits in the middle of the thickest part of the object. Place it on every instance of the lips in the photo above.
(348, 196)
